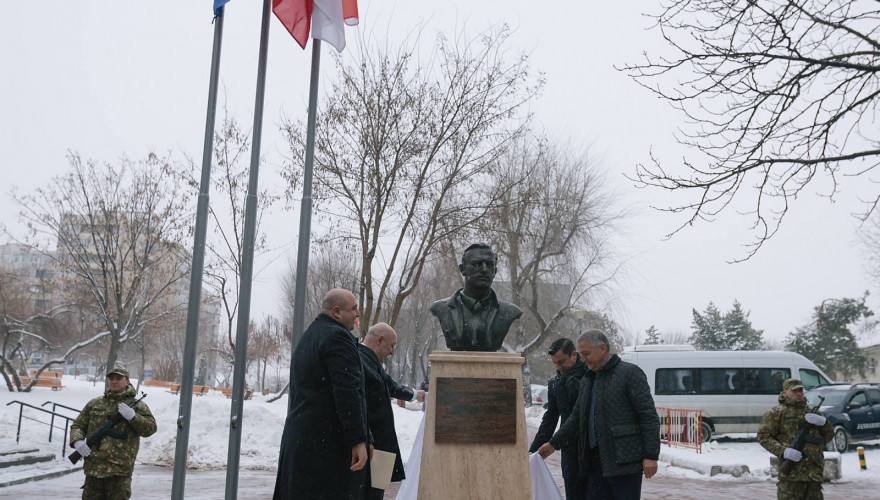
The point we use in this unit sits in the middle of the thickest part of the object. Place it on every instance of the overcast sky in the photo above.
(108, 79)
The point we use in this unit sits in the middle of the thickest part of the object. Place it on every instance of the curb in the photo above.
(735, 470)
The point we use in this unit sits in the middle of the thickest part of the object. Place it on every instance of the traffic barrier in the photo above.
(861, 450)
(681, 427)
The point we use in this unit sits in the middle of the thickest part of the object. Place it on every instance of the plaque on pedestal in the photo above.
(475, 410)
(474, 445)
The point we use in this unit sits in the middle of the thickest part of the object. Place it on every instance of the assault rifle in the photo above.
(94, 440)
(801, 439)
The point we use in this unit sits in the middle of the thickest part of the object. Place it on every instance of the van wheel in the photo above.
(840, 441)
(707, 431)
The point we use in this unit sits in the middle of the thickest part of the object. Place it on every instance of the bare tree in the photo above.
(229, 183)
(775, 92)
(418, 333)
(400, 149)
(266, 343)
(25, 327)
(333, 264)
(551, 233)
(119, 234)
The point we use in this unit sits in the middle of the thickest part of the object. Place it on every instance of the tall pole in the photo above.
(305, 215)
(247, 269)
(195, 281)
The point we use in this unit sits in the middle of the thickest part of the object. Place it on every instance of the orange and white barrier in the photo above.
(681, 427)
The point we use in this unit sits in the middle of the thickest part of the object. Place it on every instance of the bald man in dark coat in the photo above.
(324, 445)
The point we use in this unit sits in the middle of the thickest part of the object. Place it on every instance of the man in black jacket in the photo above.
(614, 424)
(562, 394)
(324, 444)
(380, 387)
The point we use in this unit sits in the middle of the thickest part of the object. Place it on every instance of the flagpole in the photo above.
(195, 282)
(247, 269)
(305, 215)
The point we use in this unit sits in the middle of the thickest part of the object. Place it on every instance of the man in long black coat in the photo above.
(324, 445)
(380, 387)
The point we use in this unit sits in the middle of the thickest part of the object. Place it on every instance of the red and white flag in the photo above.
(327, 19)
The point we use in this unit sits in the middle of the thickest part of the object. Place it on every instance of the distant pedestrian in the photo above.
(324, 444)
(109, 467)
(562, 395)
(378, 345)
(614, 424)
(779, 427)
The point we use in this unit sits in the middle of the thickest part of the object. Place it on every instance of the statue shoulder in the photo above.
(509, 309)
(439, 306)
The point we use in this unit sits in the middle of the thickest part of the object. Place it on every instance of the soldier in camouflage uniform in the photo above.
(779, 427)
(108, 468)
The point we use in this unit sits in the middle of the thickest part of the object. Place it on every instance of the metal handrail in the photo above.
(51, 425)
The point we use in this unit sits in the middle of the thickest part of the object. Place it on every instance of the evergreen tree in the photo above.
(738, 330)
(715, 331)
(652, 336)
(708, 331)
(828, 340)
(609, 326)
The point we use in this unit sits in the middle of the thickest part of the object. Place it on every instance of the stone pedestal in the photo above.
(475, 444)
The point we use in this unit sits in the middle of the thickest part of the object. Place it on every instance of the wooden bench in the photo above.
(227, 391)
(47, 374)
(198, 390)
(46, 379)
(53, 383)
(157, 383)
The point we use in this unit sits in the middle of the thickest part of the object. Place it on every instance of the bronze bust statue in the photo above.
(473, 319)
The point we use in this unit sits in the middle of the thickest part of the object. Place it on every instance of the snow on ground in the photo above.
(748, 452)
(262, 424)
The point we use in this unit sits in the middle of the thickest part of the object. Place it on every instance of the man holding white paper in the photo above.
(379, 387)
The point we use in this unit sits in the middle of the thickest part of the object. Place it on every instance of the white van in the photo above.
(732, 388)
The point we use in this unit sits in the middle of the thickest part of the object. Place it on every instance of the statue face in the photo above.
(478, 268)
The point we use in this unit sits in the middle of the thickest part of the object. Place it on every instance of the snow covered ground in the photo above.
(263, 424)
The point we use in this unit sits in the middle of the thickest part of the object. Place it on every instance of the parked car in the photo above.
(733, 389)
(853, 410)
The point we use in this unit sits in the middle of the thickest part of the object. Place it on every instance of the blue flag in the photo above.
(218, 6)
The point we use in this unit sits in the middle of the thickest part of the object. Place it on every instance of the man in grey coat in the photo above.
(614, 424)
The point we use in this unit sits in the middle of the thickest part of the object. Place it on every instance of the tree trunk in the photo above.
(527, 383)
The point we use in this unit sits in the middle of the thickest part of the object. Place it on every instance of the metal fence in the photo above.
(681, 427)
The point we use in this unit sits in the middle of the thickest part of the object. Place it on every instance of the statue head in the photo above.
(478, 268)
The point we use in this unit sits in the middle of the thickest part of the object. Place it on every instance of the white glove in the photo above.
(815, 419)
(82, 448)
(126, 411)
(792, 454)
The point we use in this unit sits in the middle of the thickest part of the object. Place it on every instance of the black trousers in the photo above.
(600, 487)
(575, 483)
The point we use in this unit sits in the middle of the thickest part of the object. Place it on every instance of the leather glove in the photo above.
(82, 448)
(792, 454)
(815, 419)
(126, 411)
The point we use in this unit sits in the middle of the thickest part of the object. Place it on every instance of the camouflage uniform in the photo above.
(109, 467)
(779, 427)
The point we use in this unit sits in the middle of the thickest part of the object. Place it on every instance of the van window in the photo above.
(715, 381)
(721, 381)
(765, 380)
(674, 381)
(874, 396)
(811, 378)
